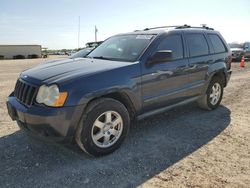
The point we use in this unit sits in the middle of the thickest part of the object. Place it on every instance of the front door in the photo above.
(165, 83)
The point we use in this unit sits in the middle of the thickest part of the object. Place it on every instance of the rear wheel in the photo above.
(211, 100)
(103, 128)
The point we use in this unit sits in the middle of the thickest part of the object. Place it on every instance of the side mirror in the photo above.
(160, 57)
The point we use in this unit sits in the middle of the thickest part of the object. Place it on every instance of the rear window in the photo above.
(197, 44)
(217, 43)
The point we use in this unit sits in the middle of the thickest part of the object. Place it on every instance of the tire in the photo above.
(206, 101)
(103, 127)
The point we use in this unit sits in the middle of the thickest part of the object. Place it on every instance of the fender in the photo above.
(125, 80)
(128, 92)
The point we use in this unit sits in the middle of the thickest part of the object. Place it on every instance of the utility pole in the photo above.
(79, 20)
(95, 34)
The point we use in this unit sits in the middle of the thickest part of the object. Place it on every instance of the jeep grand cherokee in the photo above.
(131, 75)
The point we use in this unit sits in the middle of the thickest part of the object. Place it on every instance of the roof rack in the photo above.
(195, 27)
(178, 27)
(161, 27)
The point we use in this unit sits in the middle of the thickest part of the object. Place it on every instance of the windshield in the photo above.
(235, 45)
(81, 53)
(122, 48)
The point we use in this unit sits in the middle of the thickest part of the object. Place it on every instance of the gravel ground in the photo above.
(185, 147)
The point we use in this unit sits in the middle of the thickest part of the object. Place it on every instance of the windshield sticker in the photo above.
(144, 37)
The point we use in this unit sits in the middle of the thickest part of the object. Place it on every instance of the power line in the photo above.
(79, 20)
(96, 30)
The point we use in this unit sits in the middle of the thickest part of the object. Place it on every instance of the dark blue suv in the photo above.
(132, 75)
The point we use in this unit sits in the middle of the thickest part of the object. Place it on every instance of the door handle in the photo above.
(192, 66)
(210, 61)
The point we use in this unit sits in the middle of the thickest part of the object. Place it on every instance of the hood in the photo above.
(59, 71)
(236, 49)
(52, 61)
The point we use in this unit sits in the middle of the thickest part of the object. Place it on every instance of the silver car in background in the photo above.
(237, 51)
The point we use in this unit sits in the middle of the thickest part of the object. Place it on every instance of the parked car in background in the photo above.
(237, 51)
(82, 53)
(131, 75)
(45, 55)
(240, 50)
(85, 51)
(93, 44)
(61, 53)
(246, 48)
(70, 53)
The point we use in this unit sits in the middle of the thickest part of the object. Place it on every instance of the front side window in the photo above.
(122, 47)
(217, 43)
(173, 43)
(197, 44)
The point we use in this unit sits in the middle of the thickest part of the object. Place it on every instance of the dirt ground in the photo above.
(185, 147)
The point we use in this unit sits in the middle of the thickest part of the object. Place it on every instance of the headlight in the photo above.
(50, 96)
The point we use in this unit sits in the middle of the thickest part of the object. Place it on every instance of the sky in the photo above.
(54, 24)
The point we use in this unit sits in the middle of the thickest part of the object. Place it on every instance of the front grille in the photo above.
(25, 92)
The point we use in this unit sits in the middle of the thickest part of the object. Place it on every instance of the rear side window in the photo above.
(173, 43)
(197, 44)
(217, 43)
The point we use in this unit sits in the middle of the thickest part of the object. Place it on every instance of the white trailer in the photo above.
(10, 51)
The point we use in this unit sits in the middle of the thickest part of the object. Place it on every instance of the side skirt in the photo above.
(160, 110)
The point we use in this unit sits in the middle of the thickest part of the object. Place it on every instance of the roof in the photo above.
(165, 29)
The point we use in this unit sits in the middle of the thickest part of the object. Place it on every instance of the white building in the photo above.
(9, 51)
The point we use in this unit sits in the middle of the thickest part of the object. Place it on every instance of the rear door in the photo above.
(165, 83)
(220, 50)
(199, 59)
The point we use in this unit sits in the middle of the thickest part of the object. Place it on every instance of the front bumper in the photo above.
(237, 55)
(57, 124)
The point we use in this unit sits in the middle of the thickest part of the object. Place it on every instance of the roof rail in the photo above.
(146, 29)
(195, 27)
(177, 27)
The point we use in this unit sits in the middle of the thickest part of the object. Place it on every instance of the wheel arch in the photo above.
(122, 97)
(220, 74)
(218, 69)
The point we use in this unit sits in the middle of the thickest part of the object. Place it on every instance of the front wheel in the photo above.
(103, 128)
(211, 100)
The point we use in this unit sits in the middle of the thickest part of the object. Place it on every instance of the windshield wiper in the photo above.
(99, 57)
(108, 58)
